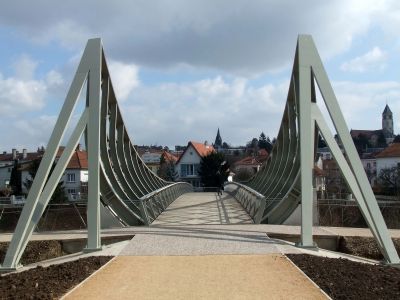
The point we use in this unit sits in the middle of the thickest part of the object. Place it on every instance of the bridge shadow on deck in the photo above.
(204, 209)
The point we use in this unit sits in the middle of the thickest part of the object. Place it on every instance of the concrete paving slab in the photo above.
(199, 240)
(198, 277)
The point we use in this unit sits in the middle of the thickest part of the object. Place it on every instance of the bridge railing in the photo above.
(252, 201)
(154, 203)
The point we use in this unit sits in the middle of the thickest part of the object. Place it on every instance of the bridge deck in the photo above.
(204, 209)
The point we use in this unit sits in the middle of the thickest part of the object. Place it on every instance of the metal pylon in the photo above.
(118, 178)
(287, 177)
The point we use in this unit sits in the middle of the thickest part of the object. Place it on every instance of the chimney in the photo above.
(24, 153)
(14, 153)
(78, 147)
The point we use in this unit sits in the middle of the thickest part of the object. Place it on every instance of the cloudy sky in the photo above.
(181, 69)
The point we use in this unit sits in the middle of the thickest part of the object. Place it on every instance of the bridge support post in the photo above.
(304, 84)
(93, 148)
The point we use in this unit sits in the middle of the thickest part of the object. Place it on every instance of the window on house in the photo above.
(70, 177)
(71, 191)
(189, 169)
(368, 166)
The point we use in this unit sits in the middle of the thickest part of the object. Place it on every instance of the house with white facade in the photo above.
(74, 179)
(188, 163)
(388, 158)
(76, 175)
(369, 163)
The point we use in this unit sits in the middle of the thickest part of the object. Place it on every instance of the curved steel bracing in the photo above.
(285, 182)
(278, 180)
(118, 178)
(126, 178)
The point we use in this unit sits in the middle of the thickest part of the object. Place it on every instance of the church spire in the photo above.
(218, 140)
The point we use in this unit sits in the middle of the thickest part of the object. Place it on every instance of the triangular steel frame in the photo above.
(43, 186)
(307, 68)
(129, 191)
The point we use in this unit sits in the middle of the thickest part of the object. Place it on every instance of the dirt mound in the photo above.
(363, 246)
(345, 279)
(36, 251)
(51, 282)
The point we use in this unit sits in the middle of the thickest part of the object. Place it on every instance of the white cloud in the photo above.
(361, 102)
(370, 61)
(124, 78)
(172, 113)
(54, 78)
(241, 38)
(25, 68)
(18, 95)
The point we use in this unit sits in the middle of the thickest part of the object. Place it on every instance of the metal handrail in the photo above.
(167, 194)
(252, 201)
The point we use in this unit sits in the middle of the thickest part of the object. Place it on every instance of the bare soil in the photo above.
(345, 279)
(51, 282)
(36, 251)
(339, 278)
(363, 246)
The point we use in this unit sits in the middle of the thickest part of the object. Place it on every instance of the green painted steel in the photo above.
(118, 178)
(286, 179)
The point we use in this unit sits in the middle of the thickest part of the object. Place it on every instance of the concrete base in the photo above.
(314, 246)
(8, 270)
(90, 250)
(394, 265)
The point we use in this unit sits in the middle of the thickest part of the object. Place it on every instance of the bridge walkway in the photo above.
(203, 209)
(203, 246)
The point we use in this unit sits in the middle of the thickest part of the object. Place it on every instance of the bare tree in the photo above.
(389, 178)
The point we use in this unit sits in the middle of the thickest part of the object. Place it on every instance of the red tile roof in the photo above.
(355, 133)
(29, 156)
(392, 151)
(79, 159)
(248, 161)
(169, 157)
(200, 148)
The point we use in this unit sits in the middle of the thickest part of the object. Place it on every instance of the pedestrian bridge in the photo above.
(124, 192)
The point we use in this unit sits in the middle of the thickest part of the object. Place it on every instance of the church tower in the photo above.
(387, 124)
(218, 141)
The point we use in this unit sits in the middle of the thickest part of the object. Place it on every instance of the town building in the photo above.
(251, 164)
(188, 163)
(152, 159)
(74, 179)
(388, 158)
(377, 138)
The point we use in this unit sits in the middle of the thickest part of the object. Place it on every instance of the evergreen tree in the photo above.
(33, 167)
(15, 179)
(212, 168)
(264, 142)
(59, 192)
